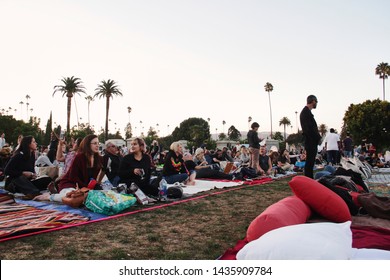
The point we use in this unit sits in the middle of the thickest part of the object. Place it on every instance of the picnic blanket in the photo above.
(18, 219)
(206, 185)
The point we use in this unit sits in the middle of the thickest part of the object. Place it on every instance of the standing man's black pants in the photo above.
(311, 153)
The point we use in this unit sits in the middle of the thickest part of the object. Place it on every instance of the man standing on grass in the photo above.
(254, 146)
(311, 135)
(332, 146)
(347, 145)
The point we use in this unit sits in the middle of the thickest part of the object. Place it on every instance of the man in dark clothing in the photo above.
(347, 145)
(254, 146)
(310, 133)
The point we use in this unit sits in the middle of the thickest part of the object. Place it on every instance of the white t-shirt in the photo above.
(331, 141)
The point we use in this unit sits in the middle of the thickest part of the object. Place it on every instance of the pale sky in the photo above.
(178, 59)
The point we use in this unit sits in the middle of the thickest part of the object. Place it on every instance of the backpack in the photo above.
(248, 172)
(175, 192)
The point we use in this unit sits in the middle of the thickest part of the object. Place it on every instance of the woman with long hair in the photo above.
(86, 167)
(20, 170)
(135, 168)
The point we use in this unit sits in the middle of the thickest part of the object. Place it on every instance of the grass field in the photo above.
(196, 230)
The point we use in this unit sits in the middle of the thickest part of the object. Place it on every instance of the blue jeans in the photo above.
(171, 179)
(348, 154)
(115, 181)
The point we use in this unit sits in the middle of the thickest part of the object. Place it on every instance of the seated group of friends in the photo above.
(84, 164)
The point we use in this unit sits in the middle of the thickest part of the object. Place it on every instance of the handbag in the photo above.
(76, 197)
(108, 202)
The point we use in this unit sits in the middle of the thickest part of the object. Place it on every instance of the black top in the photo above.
(348, 144)
(283, 159)
(264, 162)
(17, 164)
(309, 127)
(127, 166)
(190, 164)
(173, 164)
(111, 165)
(253, 139)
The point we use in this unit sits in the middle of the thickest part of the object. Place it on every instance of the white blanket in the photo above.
(206, 185)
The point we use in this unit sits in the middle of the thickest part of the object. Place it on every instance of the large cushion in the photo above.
(288, 211)
(315, 241)
(320, 199)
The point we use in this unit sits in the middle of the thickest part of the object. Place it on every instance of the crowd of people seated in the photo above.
(82, 162)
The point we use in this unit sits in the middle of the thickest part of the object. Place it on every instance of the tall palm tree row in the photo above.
(70, 86)
(284, 121)
(107, 89)
(268, 88)
(383, 70)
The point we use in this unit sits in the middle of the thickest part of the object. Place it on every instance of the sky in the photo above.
(177, 59)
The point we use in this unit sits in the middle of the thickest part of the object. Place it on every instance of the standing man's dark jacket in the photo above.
(310, 133)
(309, 127)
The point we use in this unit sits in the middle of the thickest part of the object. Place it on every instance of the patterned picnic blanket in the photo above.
(18, 219)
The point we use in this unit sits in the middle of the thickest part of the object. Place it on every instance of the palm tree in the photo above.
(249, 121)
(268, 88)
(27, 98)
(322, 129)
(21, 109)
(69, 88)
(284, 121)
(383, 70)
(129, 111)
(89, 99)
(223, 123)
(107, 89)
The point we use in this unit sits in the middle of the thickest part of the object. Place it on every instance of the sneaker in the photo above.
(52, 188)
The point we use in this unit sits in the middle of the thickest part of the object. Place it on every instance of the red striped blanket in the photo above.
(17, 219)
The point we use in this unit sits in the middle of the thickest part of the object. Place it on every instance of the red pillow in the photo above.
(321, 199)
(288, 211)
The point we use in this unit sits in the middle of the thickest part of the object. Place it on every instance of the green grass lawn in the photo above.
(200, 229)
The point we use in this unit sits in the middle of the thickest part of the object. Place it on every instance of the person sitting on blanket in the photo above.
(284, 161)
(5, 155)
(111, 162)
(202, 168)
(85, 170)
(20, 171)
(174, 169)
(244, 156)
(43, 159)
(135, 167)
(264, 162)
(200, 159)
(274, 155)
(219, 155)
(67, 158)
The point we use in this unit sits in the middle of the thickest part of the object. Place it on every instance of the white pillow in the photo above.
(315, 241)
(370, 254)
